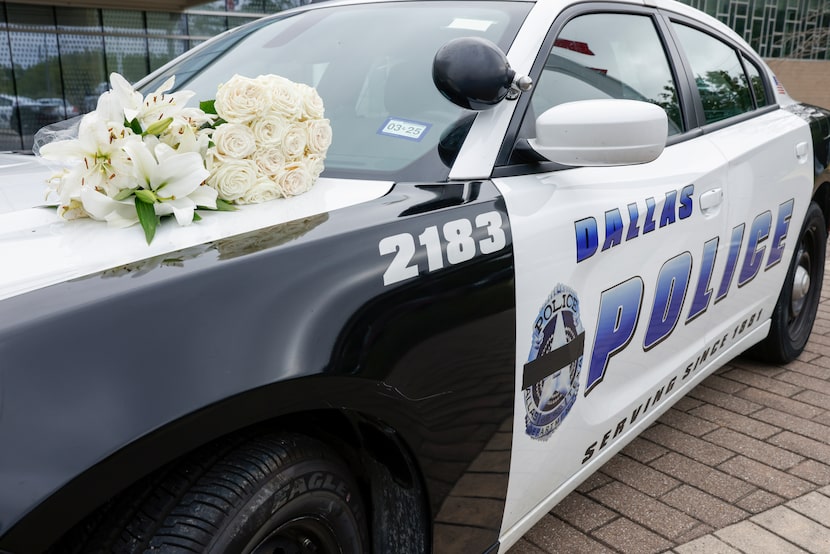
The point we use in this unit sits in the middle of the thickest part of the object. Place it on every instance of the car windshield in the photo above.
(372, 65)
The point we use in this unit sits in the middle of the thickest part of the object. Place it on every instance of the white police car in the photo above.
(492, 288)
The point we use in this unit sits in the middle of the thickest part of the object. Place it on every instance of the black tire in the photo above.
(795, 311)
(282, 493)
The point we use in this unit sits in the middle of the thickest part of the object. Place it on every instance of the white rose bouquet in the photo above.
(271, 140)
(136, 159)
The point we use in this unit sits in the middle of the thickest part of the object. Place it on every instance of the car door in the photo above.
(613, 264)
(768, 183)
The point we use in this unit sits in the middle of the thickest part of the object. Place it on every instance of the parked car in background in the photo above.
(492, 288)
(7, 103)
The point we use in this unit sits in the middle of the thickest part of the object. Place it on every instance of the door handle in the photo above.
(801, 151)
(711, 199)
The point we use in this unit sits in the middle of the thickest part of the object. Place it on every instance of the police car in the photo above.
(540, 224)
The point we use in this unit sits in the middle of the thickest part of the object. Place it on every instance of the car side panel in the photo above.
(106, 378)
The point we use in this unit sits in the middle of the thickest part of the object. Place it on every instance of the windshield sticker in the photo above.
(550, 379)
(404, 128)
(470, 24)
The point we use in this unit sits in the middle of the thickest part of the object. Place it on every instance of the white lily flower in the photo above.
(174, 178)
(96, 157)
(117, 213)
(121, 102)
(160, 104)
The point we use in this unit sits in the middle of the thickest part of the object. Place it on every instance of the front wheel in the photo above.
(276, 493)
(795, 311)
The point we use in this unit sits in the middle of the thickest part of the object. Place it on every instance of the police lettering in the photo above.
(619, 306)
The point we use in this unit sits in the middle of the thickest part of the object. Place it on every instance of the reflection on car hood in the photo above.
(39, 249)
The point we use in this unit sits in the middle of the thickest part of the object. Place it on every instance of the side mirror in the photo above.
(474, 73)
(601, 133)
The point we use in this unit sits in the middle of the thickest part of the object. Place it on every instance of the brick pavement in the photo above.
(740, 465)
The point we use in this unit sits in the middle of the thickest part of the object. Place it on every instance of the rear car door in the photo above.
(613, 264)
(768, 182)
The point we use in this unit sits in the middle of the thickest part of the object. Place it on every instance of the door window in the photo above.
(718, 73)
(608, 55)
(757, 84)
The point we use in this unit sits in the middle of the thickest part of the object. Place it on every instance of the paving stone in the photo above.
(703, 477)
(703, 506)
(724, 368)
(815, 360)
(824, 418)
(582, 512)
(500, 441)
(641, 477)
(723, 400)
(686, 403)
(759, 501)
(643, 509)
(736, 422)
(628, 537)
(492, 461)
(753, 448)
(729, 386)
(693, 447)
(763, 382)
(524, 546)
(803, 445)
(766, 477)
(687, 423)
(750, 538)
(813, 471)
(458, 538)
(694, 533)
(809, 428)
(595, 481)
(643, 450)
(781, 403)
(554, 535)
(817, 348)
(814, 398)
(708, 544)
(479, 512)
(818, 384)
(765, 369)
(810, 369)
(796, 528)
(814, 505)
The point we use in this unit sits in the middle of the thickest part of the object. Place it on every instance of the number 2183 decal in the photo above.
(452, 243)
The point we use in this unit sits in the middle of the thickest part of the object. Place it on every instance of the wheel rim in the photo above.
(802, 284)
(303, 535)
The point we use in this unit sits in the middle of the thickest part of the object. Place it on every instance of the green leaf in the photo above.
(224, 206)
(158, 127)
(123, 194)
(196, 217)
(208, 106)
(146, 195)
(147, 217)
(135, 126)
(219, 122)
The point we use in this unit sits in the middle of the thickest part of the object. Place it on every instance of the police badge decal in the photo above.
(550, 380)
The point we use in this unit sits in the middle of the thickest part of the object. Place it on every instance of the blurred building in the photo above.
(55, 55)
